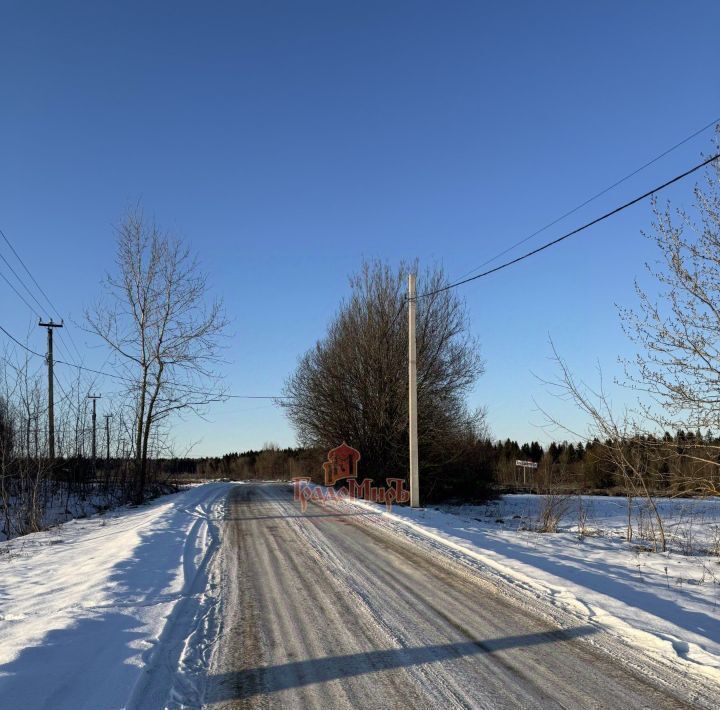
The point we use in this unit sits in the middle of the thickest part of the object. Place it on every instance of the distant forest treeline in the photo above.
(672, 463)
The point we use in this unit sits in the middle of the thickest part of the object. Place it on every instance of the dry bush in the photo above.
(553, 508)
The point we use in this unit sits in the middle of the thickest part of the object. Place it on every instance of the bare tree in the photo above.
(163, 330)
(352, 385)
(678, 331)
(676, 372)
(625, 445)
(23, 471)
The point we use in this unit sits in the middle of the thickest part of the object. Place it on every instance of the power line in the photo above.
(128, 379)
(24, 285)
(24, 300)
(461, 282)
(64, 350)
(249, 396)
(72, 342)
(22, 345)
(18, 294)
(585, 226)
(17, 256)
(189, 389)
(594, 197)
(42, 292)
(67, 396)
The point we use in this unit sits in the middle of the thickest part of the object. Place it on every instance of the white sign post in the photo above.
(525, 465)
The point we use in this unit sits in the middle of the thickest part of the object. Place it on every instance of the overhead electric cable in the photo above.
(128, 379)
(714, 122)
(19, 295)
(24, 285)
(39, 288)
(573, 232)
(22, 345)
(27, 271)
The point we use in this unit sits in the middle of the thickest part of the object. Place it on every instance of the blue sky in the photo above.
(288, 140)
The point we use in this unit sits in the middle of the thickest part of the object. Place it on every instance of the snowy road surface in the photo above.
(228, 596)
(329, 609)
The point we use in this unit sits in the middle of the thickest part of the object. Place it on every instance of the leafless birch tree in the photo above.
(676, 372)
(163, 329)
(678, 331)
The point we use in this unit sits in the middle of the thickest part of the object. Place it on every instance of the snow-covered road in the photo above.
(334, 608)
(228, 596)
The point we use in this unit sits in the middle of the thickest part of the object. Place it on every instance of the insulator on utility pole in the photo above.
(412, 388)
(51, 392)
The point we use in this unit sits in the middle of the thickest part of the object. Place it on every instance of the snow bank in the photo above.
(98, 613)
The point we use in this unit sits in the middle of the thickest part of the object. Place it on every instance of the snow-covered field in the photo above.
(84, 609)
(58, 508)
(667, 603)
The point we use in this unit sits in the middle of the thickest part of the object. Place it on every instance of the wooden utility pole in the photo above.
(51, 394)
(107, 436)
(94, 398)
(412, 388)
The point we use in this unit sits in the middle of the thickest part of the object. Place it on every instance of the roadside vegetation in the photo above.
(675, 374)
(162, 333)
(352, 386)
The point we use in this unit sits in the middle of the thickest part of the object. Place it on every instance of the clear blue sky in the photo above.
(287, 140)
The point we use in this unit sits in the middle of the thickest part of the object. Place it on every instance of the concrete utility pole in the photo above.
(51, 395)
(412, 388)
(107, 436)
(94, 398)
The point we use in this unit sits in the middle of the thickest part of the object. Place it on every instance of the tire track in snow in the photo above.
(175, 667)
(347, 613)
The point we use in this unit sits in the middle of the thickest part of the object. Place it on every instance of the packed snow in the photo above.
(667, 603)
(112, 611)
